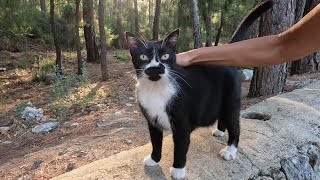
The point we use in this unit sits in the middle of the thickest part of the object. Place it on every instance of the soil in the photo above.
(107, 125)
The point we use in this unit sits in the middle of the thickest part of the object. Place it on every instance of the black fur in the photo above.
(206, 93)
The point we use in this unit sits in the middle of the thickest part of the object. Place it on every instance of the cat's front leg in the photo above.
(156, 136)
(181, 144)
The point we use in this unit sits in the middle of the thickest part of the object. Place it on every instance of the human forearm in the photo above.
(245, 53)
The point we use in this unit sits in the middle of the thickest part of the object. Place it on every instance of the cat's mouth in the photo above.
(154, 78)
(154, 73)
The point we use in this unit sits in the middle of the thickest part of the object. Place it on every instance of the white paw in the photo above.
(228, 153)
(148, 161)
(217, 133)
(178, 173)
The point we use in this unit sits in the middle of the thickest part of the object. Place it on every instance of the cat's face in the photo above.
(152, 59)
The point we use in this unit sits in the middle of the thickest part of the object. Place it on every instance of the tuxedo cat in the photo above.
(182, 99)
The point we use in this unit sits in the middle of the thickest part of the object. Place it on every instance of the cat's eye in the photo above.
(165, 57)
(144, 57)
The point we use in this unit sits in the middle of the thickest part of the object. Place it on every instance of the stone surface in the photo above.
(45, 128)
(113, 120)
(312, 150)
(3, 69)
(292, 131)
(70, 166)
(129, 104)
(6, 142)
(75, 124)
(48, 119)
(4, 129)
(298, 167)
(247, 74)
(129, 141)
(101, 105)
(24, 178)
(36, 164)
(6, 122)
(32, 113)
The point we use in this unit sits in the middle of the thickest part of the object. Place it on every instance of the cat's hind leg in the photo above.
(219, 132)
(230, 116)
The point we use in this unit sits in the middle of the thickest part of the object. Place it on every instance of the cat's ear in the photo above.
(172, 39)
(133, 41)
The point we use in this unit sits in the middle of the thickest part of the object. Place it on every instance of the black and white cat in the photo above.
(182, 99)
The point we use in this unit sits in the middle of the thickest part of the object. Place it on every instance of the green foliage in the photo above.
(19, 17)
(71, 91)
(63, 86)
(85, 74)
(15, 16)
(4, 98)
(20, 107)
(85, 101)
(65, 25)
(44, 71)
(58, 109)
(122, 56)
(25, 62)
(234, 13)
(110, 36)
(40, 27)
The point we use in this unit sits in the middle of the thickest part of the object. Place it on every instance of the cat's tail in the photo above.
(244, 26)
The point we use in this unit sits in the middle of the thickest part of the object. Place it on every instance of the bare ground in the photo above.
(84, 135)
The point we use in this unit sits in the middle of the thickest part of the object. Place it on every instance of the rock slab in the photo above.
(45, 128)
(284, 146)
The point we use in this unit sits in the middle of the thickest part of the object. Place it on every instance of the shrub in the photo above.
(44, 71)
(122, 56)
(20, 108)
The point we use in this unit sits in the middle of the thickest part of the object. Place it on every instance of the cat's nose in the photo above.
(154, 71)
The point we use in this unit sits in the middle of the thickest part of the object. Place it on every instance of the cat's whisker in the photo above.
(133, 76)
(129, 77)
(172, 70)
(174, 81)
(129, 72)
(130, 83)
(177, 75)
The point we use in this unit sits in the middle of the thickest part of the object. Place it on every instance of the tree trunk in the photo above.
(130, 8)
(196, 24)
(219, 29)
(271, 80)
(43, 6)
(150, 15)
(156, 20)
(307, 63)
(136, 17)
(77, 38)
(207, 15)
(224, 10)
(89, 33)
(55, 39)
(103, 57)
(300, 8)
(119, 41)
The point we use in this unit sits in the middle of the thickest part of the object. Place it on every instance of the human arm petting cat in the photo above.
(298, 41)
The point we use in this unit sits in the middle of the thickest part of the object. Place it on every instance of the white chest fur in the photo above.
(154, 96)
